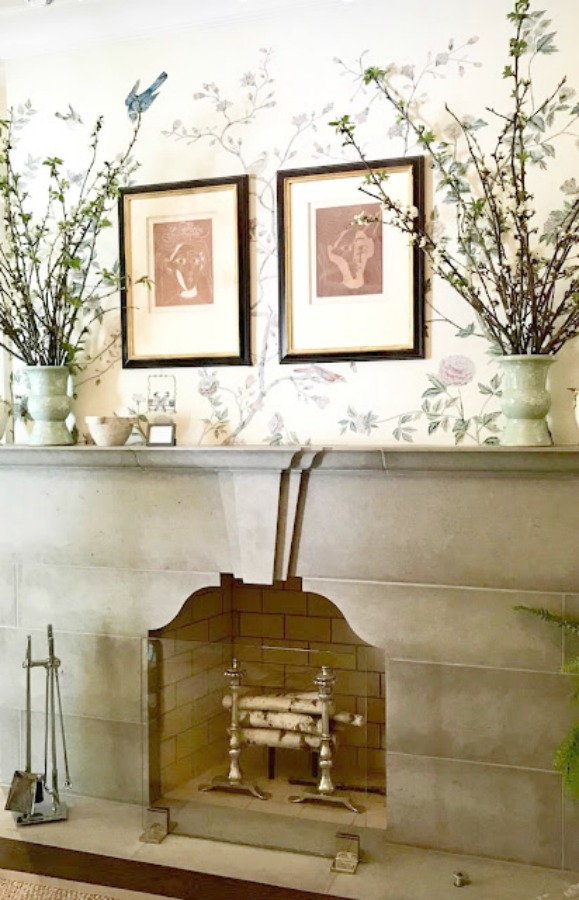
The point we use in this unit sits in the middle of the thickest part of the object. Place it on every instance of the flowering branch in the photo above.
(52, 289)
(526, 300)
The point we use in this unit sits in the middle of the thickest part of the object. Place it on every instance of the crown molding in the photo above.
(27, 31)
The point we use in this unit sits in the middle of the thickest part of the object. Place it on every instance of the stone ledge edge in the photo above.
(554, 460)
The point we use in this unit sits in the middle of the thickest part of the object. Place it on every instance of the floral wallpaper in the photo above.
(255, 99)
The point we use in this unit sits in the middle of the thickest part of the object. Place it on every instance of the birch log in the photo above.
(270, 737)
(291, 702)
(286, 721)
(277, 704)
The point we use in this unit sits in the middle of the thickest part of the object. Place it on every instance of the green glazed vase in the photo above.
(525, 401)
(49, 406)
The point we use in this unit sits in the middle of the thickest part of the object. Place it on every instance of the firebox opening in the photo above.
(281, 638)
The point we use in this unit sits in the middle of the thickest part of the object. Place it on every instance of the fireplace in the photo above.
(281, 637)
(423, 552)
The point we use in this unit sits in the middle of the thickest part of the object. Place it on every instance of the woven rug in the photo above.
(20, 890)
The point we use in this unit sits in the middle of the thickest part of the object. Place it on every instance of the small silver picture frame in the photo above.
(162, 434)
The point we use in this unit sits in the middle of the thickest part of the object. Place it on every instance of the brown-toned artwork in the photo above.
(183, 255)
(351, 286)
(348, 254)
(184, 267)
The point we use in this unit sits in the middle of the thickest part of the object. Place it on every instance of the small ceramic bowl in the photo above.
(109, 431)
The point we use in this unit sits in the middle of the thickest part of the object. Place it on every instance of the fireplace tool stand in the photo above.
(325, 791)
(32, 800)
(233, 781)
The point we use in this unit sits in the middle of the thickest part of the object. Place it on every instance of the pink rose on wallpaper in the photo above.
(208, 386)
(456, 369)
(275, 424)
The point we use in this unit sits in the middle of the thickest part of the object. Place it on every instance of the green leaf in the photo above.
(432, 392)
(437, 383)
(461, 426)
(566, 623)
(567, 761)
(545, 44)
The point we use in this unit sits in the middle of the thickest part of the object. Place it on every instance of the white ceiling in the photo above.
(30, 31)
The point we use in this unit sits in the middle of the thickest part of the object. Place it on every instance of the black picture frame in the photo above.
(327, 310)
(185, 273)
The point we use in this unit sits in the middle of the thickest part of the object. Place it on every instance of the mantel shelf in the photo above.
(555, 460)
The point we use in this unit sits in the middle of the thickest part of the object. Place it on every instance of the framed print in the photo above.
(162, 434)
(184, 251)
(348, 290)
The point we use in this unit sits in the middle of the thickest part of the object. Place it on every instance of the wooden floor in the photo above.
(130, 875)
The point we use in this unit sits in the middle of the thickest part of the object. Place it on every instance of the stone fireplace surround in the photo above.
(424, 551)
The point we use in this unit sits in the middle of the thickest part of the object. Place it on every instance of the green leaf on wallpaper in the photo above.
(488, 420)
(404, 434)
(484, 389)
(437, 383)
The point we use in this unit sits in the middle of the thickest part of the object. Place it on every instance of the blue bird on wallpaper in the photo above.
(138, 103)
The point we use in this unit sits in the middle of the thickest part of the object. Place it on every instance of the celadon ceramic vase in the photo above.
(525, 401)
(49, 405)
(4, 414)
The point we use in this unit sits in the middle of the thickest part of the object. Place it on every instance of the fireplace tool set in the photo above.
(34, 798)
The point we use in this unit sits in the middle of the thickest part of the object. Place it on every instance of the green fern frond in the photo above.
(567, 755)
(567, 761)
(572, 666)
(564, 622)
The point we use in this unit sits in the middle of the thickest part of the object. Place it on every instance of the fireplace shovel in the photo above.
(29, 797)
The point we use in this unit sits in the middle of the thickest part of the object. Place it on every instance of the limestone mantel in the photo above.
(409, 515)
(424, 550)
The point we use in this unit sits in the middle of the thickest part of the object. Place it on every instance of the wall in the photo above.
(187, 724)
(300, 71)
